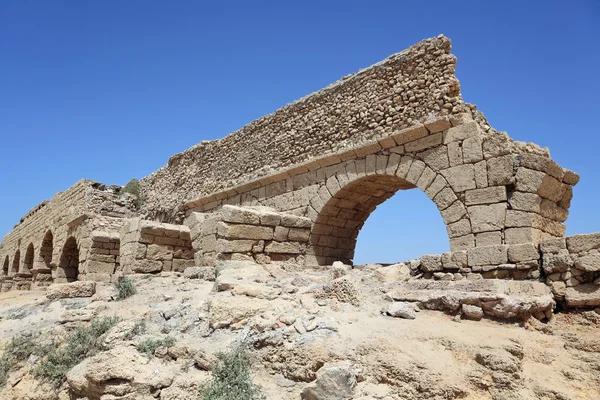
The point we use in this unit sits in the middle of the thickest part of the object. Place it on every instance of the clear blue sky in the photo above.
(109, 90)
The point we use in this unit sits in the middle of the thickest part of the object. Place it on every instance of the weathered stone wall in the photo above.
(249, 233)
(391, 95)
(34, 248)
(151, 247)
(489, 190)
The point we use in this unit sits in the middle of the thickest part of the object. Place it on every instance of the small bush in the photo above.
(139, 328)
(125, 287)
(83, 342)
(18, 350)
(232, 378)
(149, 346)
(133, 187)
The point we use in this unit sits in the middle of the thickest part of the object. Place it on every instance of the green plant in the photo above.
(133, 187)
(232, 377)
(18, 350)
(125, 287)
(83, 342)
(139, 328)
(149, 346)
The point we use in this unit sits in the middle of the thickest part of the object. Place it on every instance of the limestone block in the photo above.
(501, 170)
(528, 180)
(517, 219)
(283, 248)
(392, 166)
(426, 178)
(438, 124)
(580, 243)
(525, 202)
(553, 245)
(410, 134)
(415, 171)
(445, 198)
(147, 266)
(299, 234)
(459, 228)
(431, 262)
(269, 218)
(521, 235)
(157, 252)
(404, 166)
(281, 233)
(99, 267)
(461, 132)
(489, 195)
(551, 189)
(371, 164)
(481, 176)
(489, 255)
(94, 277)
(522, 252)
(587, 295)
(236, 231)
(424, 143)
(552, 211)
(454, 212)
(234, 246)
(472, 149)
(436, 158)
(455, 154)
(461, 177)
(589, 263)
(496, 145)
(540, 163)
(565, 200)
(295, 221)
(488, 238)
(240, 215)
(71, 290)
(434, 188)
(570, 177)
(487, 217)
(454, 260)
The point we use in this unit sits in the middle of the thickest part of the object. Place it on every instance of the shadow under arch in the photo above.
(5, 266)
(15, 264)
(46, 250)
(68, 268)
(28, 261)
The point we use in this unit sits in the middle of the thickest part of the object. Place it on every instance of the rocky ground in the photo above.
(334, 333)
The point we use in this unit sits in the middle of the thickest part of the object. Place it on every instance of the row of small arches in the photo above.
(66, 270)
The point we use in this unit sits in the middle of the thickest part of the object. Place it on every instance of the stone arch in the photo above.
(351, 194)
(46, 249)
(68, 268)
(15, 264)
(5, 266)
(28, 261)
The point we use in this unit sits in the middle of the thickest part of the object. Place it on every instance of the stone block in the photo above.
(489, 195)
(570, 177)
(410, 134)
(404, 166)
(525, 202)
(553, 245)
(436, 158)
(528, 180)
(487, 217)
(587, 295)
(181, 265)
(581, 243)
(472, 150)
(551, 189)
(522, 235)
(146, 266)
(488, 238)
(454, 212)
(437, 124)
(462, 243)
(299, 234)
(99, 267)
(445, 198)
(455, 154)
(281, 233)
(237, 231)
(415, 171)
(295, 221)
(240, 215)
(540, 163)
(94, 277)
(424, 143)
(589, 263)
(283, 248)
(552, 211)
(234, 246)
(454, 260)
(431, 262)
(522, 252)
(489, 255)
(461, 177)
(501, 170)
(481, 175)
(461, 132)
(459, 228)
(157, 252)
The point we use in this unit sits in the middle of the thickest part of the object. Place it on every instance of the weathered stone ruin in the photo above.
(296, 186)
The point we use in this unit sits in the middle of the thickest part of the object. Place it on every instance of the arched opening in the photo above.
(69, 262)
(404, 227)
(46, 250)
(28, 261)
(5, 266)
(16, 261)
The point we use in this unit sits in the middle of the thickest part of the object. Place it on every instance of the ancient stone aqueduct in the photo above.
(296, 186)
